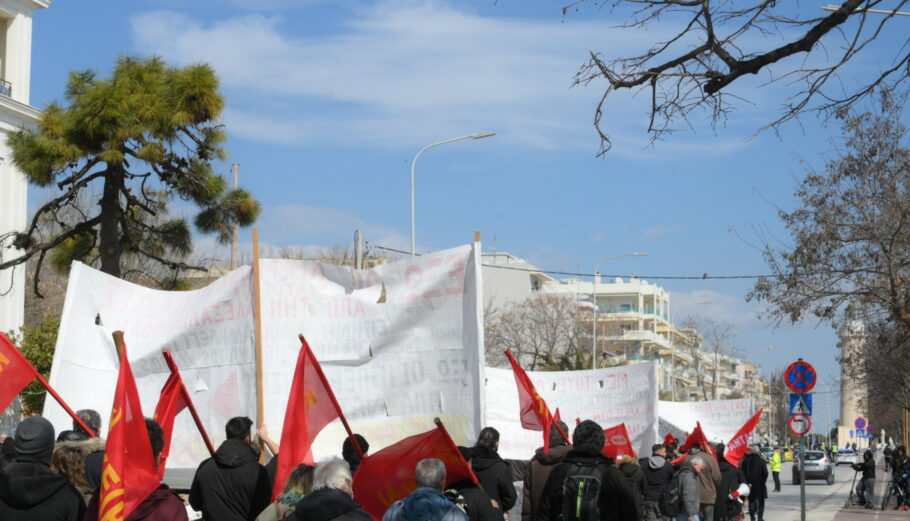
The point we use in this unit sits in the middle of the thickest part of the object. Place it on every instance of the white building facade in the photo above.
(15, 113)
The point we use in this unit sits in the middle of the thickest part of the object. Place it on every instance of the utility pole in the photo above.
(236, 231)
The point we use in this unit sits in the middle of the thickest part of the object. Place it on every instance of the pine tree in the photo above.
(142, 137)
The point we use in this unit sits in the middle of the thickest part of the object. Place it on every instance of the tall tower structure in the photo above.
(853, 389)
(15, 113)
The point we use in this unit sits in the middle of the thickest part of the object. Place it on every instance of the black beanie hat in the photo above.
(588, 436)
(35, 439)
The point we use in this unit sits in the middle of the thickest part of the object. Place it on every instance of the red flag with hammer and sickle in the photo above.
(311, 406)
(15, 372)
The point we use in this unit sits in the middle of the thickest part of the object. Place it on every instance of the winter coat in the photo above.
(424, 504)
(636, 478)
(730, 479)
(689, 490)
(708, 478)
(658, 472)
(756, 473)
(867, 467)
(163, 504)
(479, 506)
(327, 504)
(495, 476)
(536, 475)
(93, 449)
(231, 485)
(31, 491)
(617, 502)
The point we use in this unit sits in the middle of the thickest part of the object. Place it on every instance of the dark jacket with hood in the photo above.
(232, 485)
(536, 476)
(617, 502)
(424, 504)
(495, 476)
(31, 491)
(636, 478)
(163, 504)
(657, 471)
(327, 504)
(730, 480)
(867, 467)
(756, 474)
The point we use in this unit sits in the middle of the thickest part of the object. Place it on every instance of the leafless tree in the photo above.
(711, 44)
(546, 332)
(850, 233)
(715, 338)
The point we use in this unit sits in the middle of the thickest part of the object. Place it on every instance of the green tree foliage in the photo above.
(37, 346)
(142, 137)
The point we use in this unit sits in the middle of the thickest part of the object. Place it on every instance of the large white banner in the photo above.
(720, 419)
(400, 344)
(626, 394)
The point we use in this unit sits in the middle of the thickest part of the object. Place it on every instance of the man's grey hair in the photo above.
(755, 449)
(332, 473)
(430, 472)
(697, 460)
(91, 418)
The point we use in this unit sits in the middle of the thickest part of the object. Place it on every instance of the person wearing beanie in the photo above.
(708, 479)
(615, 501)
(539, 469)
(29, 489)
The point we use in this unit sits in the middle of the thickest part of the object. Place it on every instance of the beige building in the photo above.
(853, 392)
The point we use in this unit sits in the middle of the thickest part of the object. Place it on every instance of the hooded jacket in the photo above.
(636, 478)
(231, 485)
(162, 504)
(617, 502)
(536, 475)
(658, 472)
(495, 476)
(326, 504)
(708, 478)
(31, 491)
(424, 504)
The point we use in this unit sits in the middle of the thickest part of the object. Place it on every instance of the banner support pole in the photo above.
(172, 365)
(66, 407)
(257, 298)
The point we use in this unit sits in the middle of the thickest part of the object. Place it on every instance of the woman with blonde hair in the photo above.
(298, 485)
(69, 462)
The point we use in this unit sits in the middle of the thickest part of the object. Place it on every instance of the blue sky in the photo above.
(327, 102)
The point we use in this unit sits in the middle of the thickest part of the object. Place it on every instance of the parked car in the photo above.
(786, 454)
(766, 453)
(846, 457)
(818, 466)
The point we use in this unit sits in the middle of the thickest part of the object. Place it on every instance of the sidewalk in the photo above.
(858, 513)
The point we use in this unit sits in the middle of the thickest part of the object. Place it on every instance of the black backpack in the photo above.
(581, 492)
(670, 500)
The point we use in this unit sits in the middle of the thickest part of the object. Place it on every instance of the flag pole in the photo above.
(325, 383)
(66, 407)
(445, 432)
(257, 298)
(169, 359)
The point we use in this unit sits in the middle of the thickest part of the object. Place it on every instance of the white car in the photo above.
(846, 456)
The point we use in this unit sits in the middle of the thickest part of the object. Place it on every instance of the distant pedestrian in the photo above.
(658, 472)
(494, 474)
(539, 470)
(427, 502)
(756, 474)
(775, 464)
(887, 454)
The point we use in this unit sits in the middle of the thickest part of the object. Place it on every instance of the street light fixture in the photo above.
(594, 299)
(479, 135)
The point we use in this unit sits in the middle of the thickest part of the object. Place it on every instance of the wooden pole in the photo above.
(477, 236)
(119, 344)
(257, 297)
(169, 359)
(66, 407)
(441, 427)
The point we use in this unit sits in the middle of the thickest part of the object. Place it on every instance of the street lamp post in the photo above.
(479, 135)
(594, 300)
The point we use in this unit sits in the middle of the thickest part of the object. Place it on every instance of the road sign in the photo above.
(800, 424)
(859, 423)
(800, 377)
(801, 404)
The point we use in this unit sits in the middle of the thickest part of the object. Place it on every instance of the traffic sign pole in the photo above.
(802, 478)
(800, 378)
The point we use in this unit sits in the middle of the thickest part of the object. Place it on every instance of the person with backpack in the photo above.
(587, 486)
(726, 509)
(539, 469)
(657, 471)
(756, 473)
(680, 500)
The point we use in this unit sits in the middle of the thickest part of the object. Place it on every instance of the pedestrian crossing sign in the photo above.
(801, 404)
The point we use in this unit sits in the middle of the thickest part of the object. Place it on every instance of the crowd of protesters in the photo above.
(48, 477)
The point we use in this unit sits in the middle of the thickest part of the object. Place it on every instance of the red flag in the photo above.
(737, 446)
(534, 413)
(617, 442)
(669, 438)
(311, 406)
(128, 474)
(15, 372)
(171, 402)
(388, 475)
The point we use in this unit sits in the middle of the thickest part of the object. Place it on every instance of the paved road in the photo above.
(823, 501)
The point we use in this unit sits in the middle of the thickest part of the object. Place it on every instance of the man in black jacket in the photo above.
(616, 502)
(658, 472)
(866, 487)
(232, 485)
(494, 474)
(29, 489)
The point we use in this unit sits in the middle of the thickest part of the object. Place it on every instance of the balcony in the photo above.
(638, 335)
(6, 89)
